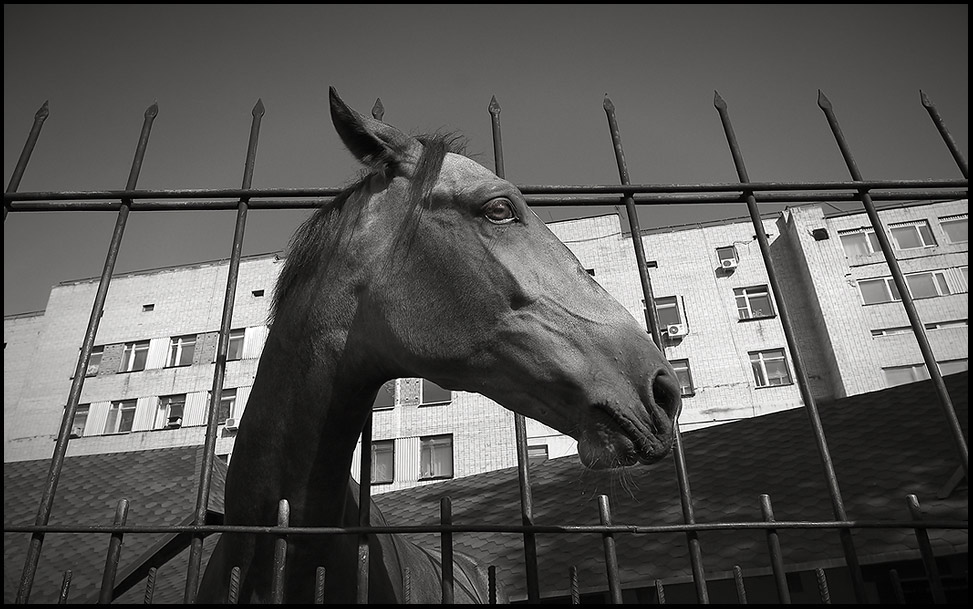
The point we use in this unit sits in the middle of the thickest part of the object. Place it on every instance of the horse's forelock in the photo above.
(320, 230)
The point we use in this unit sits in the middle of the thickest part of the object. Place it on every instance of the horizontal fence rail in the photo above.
(624, 194)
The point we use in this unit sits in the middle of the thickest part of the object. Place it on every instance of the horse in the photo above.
(429, 266)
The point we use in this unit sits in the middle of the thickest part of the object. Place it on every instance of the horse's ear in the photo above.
(373, 142)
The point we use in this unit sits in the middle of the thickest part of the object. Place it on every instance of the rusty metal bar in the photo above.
(944, 132)
(62, 598)
(896, 583)
(233, 593)
(446, 540)
(150, 585)
(918, 328)
(35, 130)
(209, 446)
(407, 585)
(776, 558)
(660, 592)
(800, 373)
(280, 554)
(573, 585)
(611, 558)
(823, 591)
(106, 595)
(928, 556)
(520, 422)
(64, 434)
(652, 323)
(740, 588)
(319, 578)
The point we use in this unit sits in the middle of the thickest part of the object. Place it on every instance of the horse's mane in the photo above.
(320, 232)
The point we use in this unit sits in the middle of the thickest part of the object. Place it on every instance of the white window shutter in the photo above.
(158, 350)
(196, 407)
(97, 417)
(145, 410)
(253, 341)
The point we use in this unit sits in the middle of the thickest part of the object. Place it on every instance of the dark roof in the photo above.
(885, 445)
(160, 486)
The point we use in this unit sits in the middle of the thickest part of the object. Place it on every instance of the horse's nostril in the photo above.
(667, 394)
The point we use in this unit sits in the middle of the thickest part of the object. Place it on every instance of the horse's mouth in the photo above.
(613, 439)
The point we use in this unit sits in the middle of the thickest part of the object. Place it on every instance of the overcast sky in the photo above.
(436, 67)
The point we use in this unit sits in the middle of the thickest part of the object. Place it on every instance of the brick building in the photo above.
(152, 370)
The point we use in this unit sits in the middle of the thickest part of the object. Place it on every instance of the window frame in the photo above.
(949, 220)
(164, 411)
(871, 240)
(94, 363)
(81, 409)
(422, 394)
(382, 406)
(384, 445)
(762, 360)
(748, 294)
(131, 353)
(924, 237)
(118, 415)
(236, 336)
(427, 443)
(227, 396)
(676, 366)
(179, 347)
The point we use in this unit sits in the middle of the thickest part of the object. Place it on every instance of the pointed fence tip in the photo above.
(43, 111)
(258, 108)
(494, 106)
(926, 102)
(718, 100)
(609, 106)
(153, 110)
(823, 102)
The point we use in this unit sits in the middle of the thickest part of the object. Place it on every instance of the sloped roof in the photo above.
(160, 486)
(884, 445)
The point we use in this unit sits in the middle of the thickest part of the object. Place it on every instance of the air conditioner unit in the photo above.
(231, 423)
(674, 330)
(728, 263)
(174, 422)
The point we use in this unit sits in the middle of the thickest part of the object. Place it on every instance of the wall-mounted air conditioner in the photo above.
(675, 330)
(174, 422)
(231, 423)
(728, 263)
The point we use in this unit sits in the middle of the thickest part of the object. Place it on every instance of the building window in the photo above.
(386, 397)
(433, 394)
(181, 350)
(684, 376)
(383, 461)
(94, 362)
(170, 413)
(234, 347)
(901, 375)
(436, 457)
(753, 303)
(258, 293)
(226, 407)
(953, 366)
(956, 228)
(148, 308)
(727, 256)
(134, 355)
(121, 416)
(537, 452)
(878, 290)
(80, 420)
(770, 368)
(590, 272)
(859, 242)
(911, 235)
(927, 285)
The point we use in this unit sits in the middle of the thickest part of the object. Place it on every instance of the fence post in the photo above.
(106, 595)
(35, 130)
(611, 558)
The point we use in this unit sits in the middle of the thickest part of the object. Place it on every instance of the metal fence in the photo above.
(631, 195)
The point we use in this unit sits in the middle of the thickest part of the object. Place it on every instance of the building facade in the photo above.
(150, 378)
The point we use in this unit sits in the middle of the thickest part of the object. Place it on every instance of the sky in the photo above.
(436, 67)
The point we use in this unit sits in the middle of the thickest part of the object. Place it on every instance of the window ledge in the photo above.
(757, 318)
(445, 403)
(791, 384)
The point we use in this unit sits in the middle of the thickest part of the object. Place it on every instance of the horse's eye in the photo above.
(499, 211)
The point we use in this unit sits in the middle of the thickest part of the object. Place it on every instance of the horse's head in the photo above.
(461, 283)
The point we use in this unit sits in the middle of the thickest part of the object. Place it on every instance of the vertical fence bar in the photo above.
(233, 593)
(62, 598)
(446, 539)
(611, 558)
(280, 554)
(741, 589)
(319, 578)
(492, 584)
(573, 585)
(928, 556)
(944, 132)
(150, 586)
(660, 592)
(917, 326)
(897, 587)
(407, 585)
(209, 446)
(105, 596)
(35, 130)
(837, 504)
(773, 546)
(64, 434)
(823, 591)
(652, 323)
(520, 423)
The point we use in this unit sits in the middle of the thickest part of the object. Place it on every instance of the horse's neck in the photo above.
(302, 422)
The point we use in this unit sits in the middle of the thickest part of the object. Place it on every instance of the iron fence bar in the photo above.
(150, 585)
(573, 585)
(773, 546)
(233, 593)
(35, 130)
(520, 422)
(611, 558)
(928, 556)
(280, 554)
(740, 588)
(527, 189)
(944, 132)
(823, 591)
(652, 323)
(800, 373)
(660, 592)
(319, 578)
(74, 395)
(917, 326)
(446, 545)
(407, 585)
(209, 446)
(62, 598)
(106, 595)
